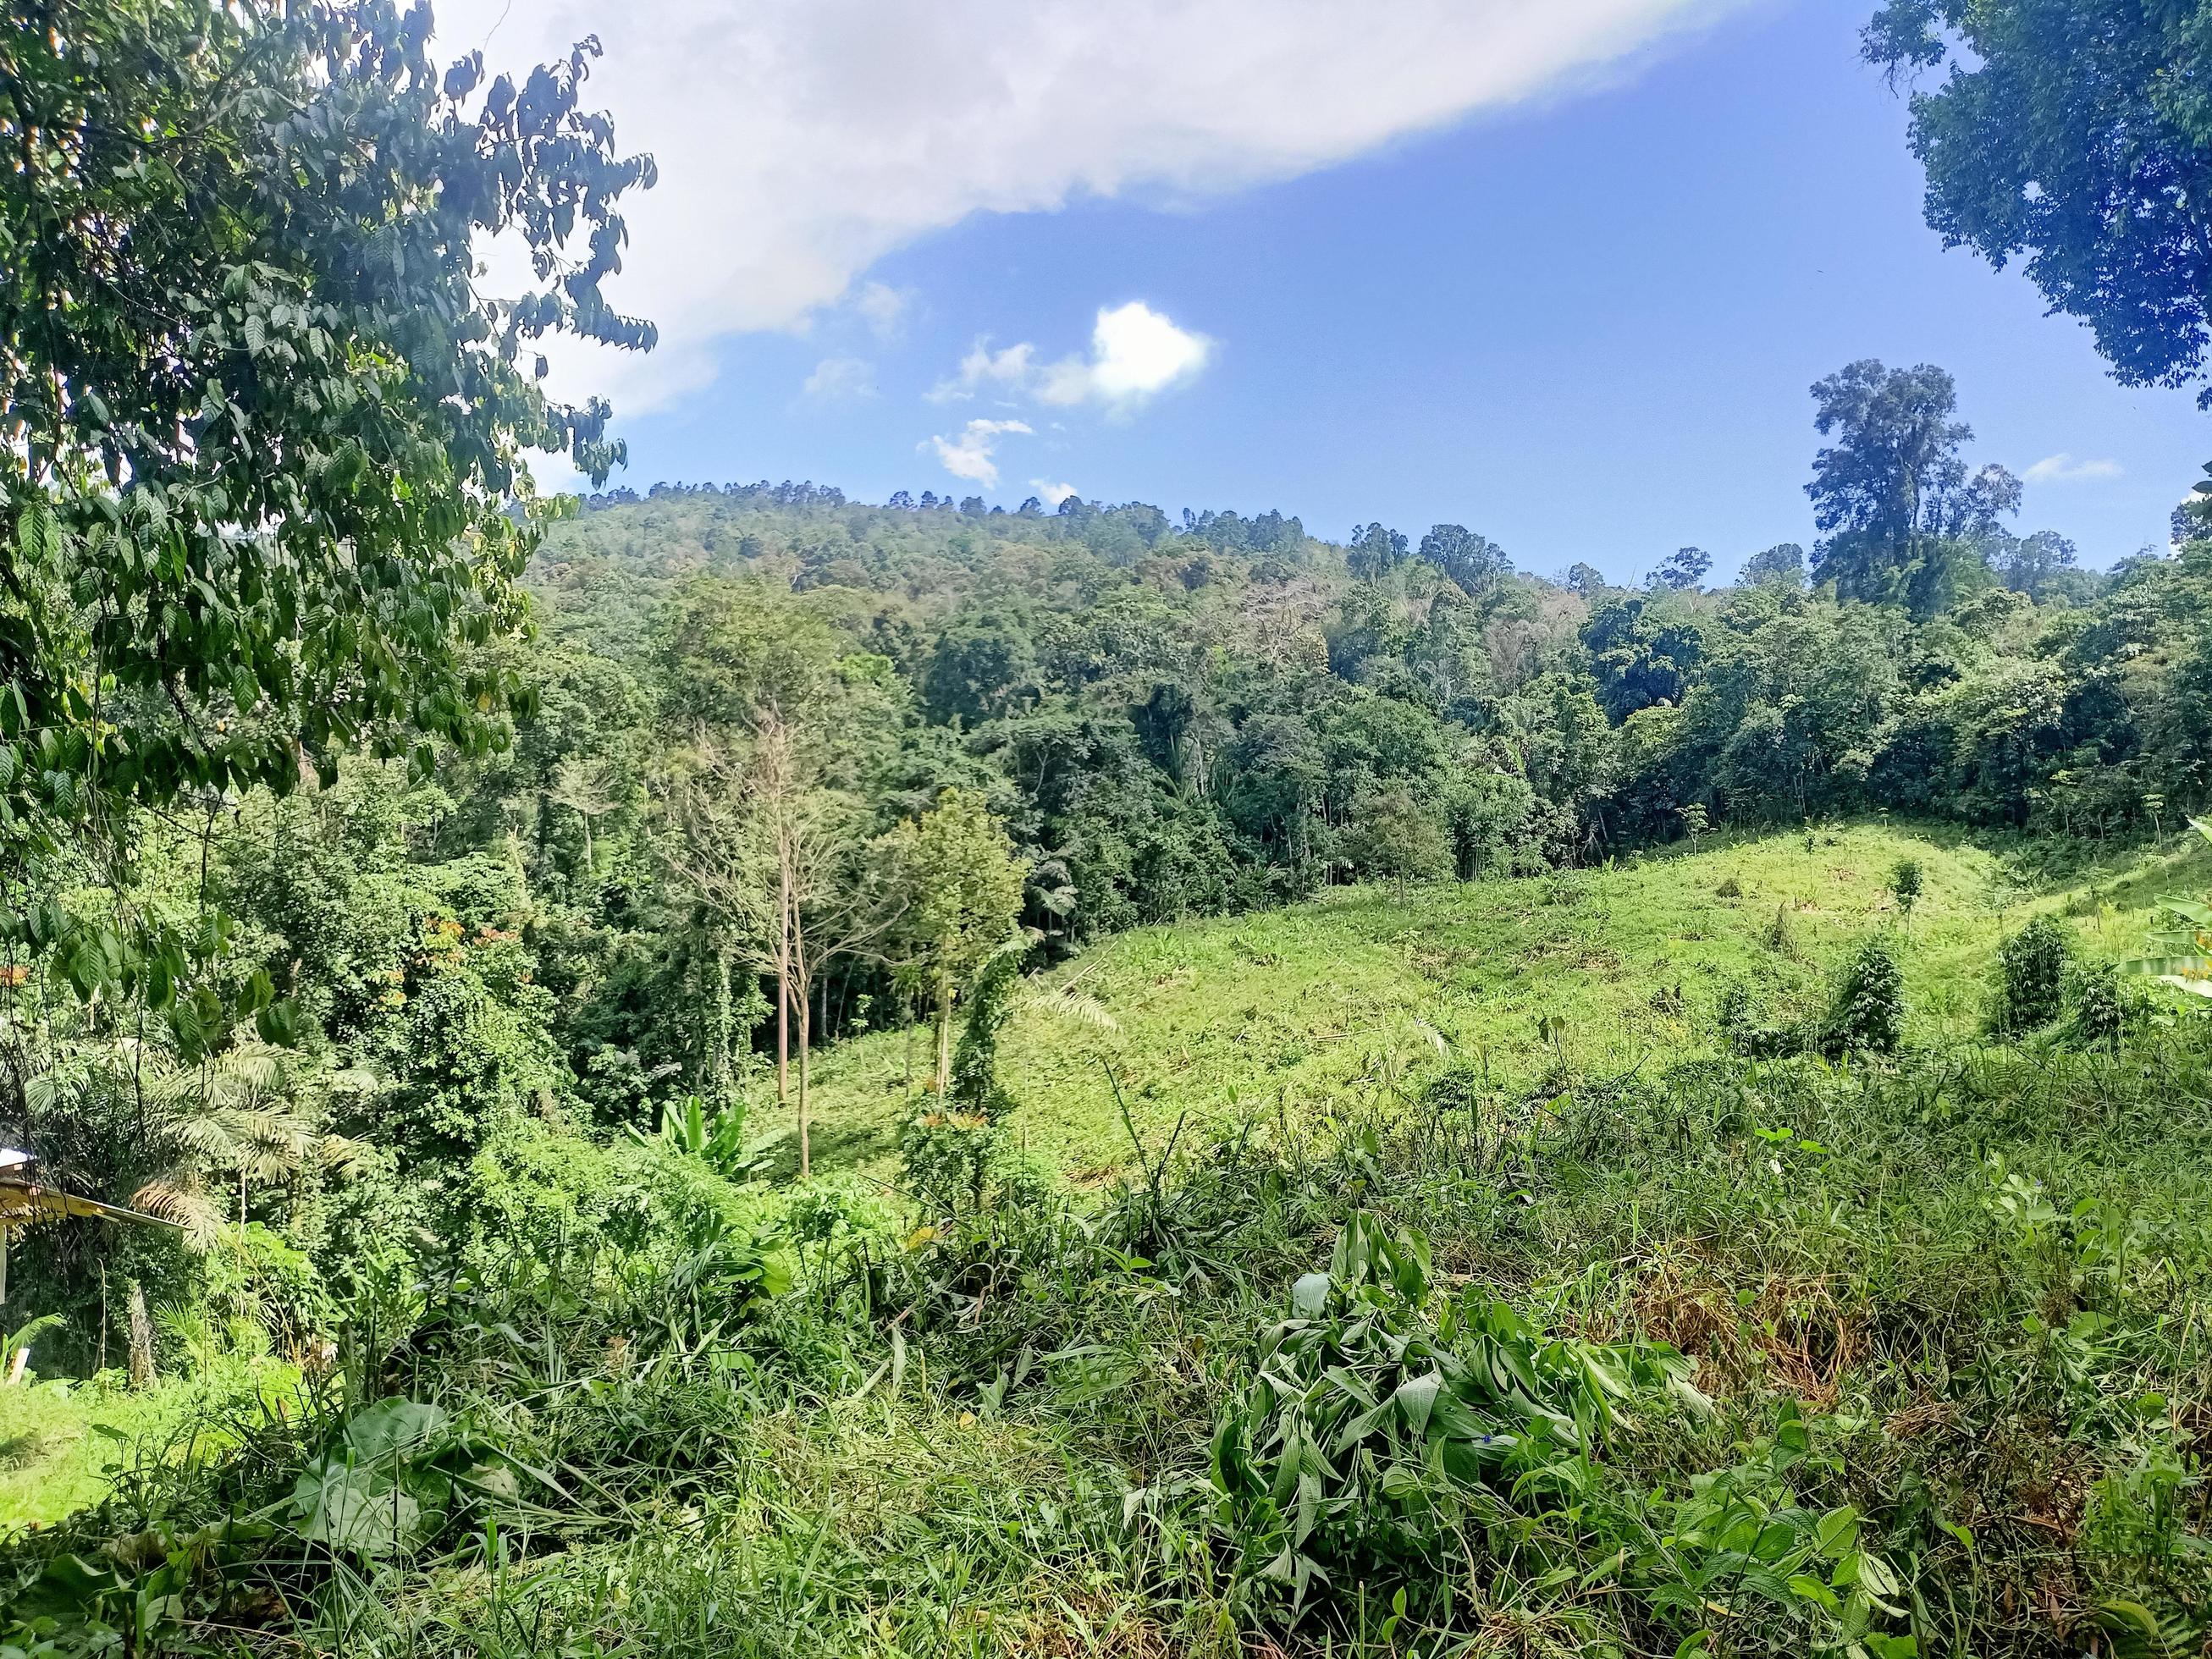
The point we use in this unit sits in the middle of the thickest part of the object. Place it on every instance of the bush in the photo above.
(1370, 1431)
(1868, 1012)
(1746, 1029)
(2032, 972)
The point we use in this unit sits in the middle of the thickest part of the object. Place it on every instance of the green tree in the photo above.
(1399, 837)
(959, 882)
(1905, 883)
(1781, 565)
(1695, 822)
(2077, 136)
(263, 433)
(1900, 513)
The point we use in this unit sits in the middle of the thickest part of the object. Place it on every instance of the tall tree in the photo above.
(1901, 513)
(585, 787)
(1683, 569)
(782, 859)
(261, 432)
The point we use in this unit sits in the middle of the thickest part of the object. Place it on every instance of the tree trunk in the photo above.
(805, 1047)
(944, 1030)
(723, 1017)
(782, 1032)
(911, 1022)
(141, 1339)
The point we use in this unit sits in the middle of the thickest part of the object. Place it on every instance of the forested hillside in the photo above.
(739, 1071)
(1133, 719)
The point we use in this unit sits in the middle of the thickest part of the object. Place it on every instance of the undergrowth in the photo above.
(1735, 1357)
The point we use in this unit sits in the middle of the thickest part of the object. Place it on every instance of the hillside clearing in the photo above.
(1311, 1010)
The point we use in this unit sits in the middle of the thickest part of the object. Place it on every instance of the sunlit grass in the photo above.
(1305, 1010)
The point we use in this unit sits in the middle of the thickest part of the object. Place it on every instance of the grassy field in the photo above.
(1310, 1010)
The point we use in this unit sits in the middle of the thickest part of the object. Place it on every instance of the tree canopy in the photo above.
(262, 479)
(2078, 138)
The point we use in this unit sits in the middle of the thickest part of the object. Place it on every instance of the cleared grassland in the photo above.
(1309, 1010)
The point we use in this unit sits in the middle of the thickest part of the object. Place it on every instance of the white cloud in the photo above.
(840, 381)
(800, 141)
(2062, 468)
(970, 454)
(1135, 354)
(1054, 494)
(884, 308)
(1008, 371)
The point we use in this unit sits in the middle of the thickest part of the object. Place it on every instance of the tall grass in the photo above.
(1960, 1302)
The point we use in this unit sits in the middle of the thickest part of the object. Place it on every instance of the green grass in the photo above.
(1307, 1010)
(59, 1441)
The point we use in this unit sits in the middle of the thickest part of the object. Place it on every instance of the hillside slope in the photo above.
(1309, 1008)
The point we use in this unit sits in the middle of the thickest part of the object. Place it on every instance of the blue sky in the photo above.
(1583, 323)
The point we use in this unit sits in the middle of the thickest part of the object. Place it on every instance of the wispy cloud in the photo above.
(883, 309)
(2062, 468)
(970, 454)
(800, 141)
(1009, 373)
(1052, 494)
(840, 381)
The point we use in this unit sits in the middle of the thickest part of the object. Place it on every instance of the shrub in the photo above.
(2099, 1016)
(1747, 1031)
(1905, 883)
(2031, 971)
(1370, 1430)
(1867, 1010)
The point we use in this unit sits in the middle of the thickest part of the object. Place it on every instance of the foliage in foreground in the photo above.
(1934, 1313)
